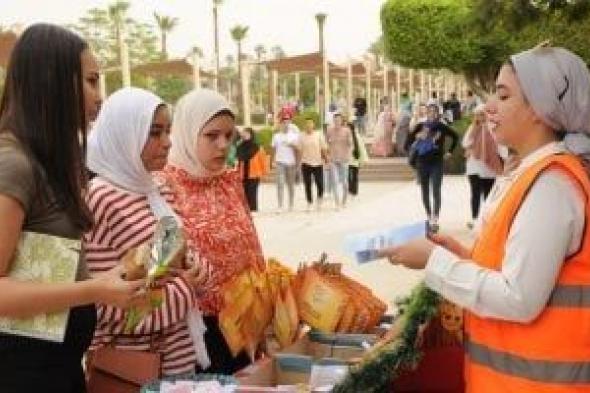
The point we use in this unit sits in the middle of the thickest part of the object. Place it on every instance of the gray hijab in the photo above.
(556, 84)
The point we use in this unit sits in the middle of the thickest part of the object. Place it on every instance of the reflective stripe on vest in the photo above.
(536, 370)
(570, 296)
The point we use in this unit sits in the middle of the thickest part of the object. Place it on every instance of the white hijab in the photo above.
(191, 114)
(556, 83)
(117, 140)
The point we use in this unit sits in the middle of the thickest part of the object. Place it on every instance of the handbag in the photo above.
(413, 155)
(114, 370)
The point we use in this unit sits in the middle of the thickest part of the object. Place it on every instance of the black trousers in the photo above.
(251, 191)
(222, 361)
(480, 187)
(430, 173)
(30, 365)
(19, 377)
(317, 172)
(353, 180)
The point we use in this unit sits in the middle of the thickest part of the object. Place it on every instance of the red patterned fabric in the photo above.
(218, 226)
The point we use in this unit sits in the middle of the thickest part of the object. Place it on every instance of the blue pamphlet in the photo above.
(364, 246)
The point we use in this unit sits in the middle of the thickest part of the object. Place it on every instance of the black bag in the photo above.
(413, 155)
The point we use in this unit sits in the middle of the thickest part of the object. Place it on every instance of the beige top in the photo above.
(340, 144)
(311, 146)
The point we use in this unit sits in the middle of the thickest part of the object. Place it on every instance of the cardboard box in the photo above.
(347, 347)
(281, 373)
(288, 373)
(290, 369)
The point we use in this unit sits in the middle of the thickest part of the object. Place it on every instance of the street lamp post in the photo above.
(321, 20)
(216, 4)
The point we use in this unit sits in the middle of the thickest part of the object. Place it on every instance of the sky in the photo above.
(351, 25)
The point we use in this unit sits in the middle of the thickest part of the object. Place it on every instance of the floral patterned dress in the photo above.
(218, 227)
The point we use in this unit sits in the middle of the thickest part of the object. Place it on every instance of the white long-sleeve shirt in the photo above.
(547, 228)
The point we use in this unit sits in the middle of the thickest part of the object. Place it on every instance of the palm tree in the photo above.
(117, 13)
(229, 61)
(238, 33)
(196, 50)
(260, 51)
(277, 52)
(166, 24)
(216, 4)
(377, 50)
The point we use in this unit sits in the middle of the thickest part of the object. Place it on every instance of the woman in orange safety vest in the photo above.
(525, 284)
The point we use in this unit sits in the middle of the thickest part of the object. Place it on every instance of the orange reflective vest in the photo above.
(552, 353)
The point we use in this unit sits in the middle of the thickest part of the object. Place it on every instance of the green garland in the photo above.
(376, 373)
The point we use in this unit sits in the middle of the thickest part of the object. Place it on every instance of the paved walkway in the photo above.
(301, 236)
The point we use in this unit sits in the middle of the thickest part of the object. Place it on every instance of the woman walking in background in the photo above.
(359, 157)
(483, 162)
(314, 153)
(383, 145)
(253, 165)
(428, 142)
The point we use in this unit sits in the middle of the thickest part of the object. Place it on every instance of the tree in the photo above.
(428, 34)
(238, 33)
(171, 88)
(229, 61)
(116, 12)
(377, 50)
(277, 52)
(474, 37)
(260, 51)
(101, 28)
(197, 50)
(166, 24)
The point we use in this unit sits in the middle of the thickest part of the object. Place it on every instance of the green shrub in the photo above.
(171, 88)
(264, 138)
(300, 118)
(456, 163)
(258, 118)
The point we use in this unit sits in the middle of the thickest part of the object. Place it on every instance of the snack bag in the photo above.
(286, 319)
(167, 245)
(321, 303)
(238, 296)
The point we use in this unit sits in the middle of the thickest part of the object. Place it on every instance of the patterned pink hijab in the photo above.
(484, 146)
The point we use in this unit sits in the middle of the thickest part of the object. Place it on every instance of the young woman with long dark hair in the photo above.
(50, 96)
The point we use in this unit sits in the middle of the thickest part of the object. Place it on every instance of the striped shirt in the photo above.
(124, 220)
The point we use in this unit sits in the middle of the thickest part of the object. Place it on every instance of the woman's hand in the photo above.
(111, 288)
(451, 244)
(413, 255)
